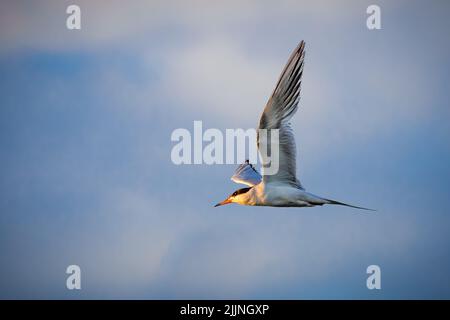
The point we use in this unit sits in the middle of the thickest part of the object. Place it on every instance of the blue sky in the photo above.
(87, 179)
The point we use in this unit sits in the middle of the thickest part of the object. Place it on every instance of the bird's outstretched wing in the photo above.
(279, 110)
(246, 174)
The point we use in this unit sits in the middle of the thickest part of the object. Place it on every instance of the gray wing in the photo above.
(280, 108)
(246, 174)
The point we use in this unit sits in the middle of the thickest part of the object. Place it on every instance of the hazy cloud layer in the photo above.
(85, 124)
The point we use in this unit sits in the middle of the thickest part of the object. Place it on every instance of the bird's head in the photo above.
(239, 196)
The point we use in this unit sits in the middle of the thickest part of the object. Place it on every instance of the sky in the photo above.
(86, 118)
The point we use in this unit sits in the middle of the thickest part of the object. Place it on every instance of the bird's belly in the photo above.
(283, 197)
(281, 203)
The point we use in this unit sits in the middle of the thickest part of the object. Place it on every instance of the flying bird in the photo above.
(281, 189)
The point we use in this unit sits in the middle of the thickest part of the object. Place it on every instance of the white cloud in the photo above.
(217, 78)
(25, 25)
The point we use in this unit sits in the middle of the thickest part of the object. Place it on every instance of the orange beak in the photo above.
(226, 201)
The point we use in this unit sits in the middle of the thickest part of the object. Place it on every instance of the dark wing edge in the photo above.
(280, 108)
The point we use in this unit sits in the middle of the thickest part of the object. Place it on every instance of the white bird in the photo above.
(282, 189)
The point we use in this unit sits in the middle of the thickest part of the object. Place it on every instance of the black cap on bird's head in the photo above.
(232, 196)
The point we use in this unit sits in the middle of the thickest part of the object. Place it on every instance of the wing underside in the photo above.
(246, 174)
(280, 108)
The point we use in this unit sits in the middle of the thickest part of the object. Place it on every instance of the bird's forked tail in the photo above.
(347, 205)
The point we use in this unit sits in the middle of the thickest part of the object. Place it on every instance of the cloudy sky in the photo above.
(86, 175)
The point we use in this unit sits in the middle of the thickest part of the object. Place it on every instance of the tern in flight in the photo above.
(281, 189)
